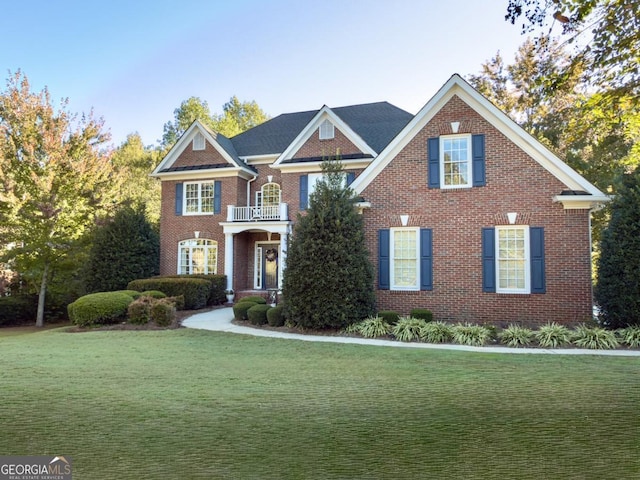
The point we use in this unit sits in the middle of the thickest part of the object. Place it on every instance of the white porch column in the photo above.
(284, 237)
(228, 259)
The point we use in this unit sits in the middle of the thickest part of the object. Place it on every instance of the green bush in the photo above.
(390, 317)
(516, 336)
(275, 316)
(217, 294)
(471, 334)
(18, 309)
(630, 336)
(257, 314)
(195, 290)
(408, 329)
(177, 302)
(99, 308)
(254, 299)
(594, 338)
(436, 332)
(422, 314)
(132, 293)
(163, 313)
(139, 311)
(553, 335)
(373, 327)
(240, 310)
(153, 294)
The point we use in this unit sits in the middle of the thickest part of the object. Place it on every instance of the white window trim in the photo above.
(326, 130)
(260, 194)
(469, 183)
(199, 142)
(392, 262)
(185, 211)
(207, 248)
(527, 260)
(314, 178)
(259, 249)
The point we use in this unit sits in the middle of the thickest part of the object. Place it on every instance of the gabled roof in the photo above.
(456, 86)
(222, 144)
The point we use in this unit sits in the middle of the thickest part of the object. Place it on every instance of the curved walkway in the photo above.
(220, 321)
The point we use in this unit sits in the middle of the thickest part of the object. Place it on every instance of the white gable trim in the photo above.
(325, 113)
(459, 87)
(185, 141)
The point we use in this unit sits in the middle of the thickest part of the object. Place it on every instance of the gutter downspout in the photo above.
(255, 177)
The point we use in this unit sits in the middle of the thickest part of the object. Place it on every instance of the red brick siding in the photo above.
(315, 147)
(192, 158)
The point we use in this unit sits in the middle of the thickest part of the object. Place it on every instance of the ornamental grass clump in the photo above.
(471, 334)
(373, 327)
(553, 335)
(436, 332)
(408, 329)
(630, 336)
(516, 336)
(594, 338)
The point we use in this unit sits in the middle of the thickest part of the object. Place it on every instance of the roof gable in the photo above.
(456, 86)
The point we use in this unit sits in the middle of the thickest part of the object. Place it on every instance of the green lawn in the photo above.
(186, 404)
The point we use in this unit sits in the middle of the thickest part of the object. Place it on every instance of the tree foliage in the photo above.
(328, 282)
(618, 289)
(126, 248)
(55, 178)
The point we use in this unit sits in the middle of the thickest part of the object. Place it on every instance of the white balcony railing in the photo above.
(271, 213)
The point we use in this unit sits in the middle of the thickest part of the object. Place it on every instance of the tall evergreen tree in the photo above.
(328, 282)
(124, 249)
(618, 289)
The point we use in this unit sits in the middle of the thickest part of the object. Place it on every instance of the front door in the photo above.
(267, 257)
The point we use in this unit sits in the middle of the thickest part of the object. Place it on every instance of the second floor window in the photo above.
(455, 168)
(198, 197)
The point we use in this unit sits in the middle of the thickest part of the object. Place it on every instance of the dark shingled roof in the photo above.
(377, 124)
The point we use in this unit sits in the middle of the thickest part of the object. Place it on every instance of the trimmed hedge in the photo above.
(275, 316)
(254, 299)
(422, 314)
(99, 308)
(196, 291)
(218, 286)
(257, 314)
(139, 311)
(390, 317)
(132, 293)
(157, 294)
(163, 313)
(240, 310)
(18, 309)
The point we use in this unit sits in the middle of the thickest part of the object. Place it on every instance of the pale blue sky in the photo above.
(134, 62)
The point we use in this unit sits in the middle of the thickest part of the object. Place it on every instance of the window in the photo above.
(455, 159)
(308, 185)
(268, 196)
(327, 130)
(405, 268)
(198, 256)
(512, 259)
(198, 142)
(199, 198)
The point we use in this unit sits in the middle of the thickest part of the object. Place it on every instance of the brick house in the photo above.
(465, 213)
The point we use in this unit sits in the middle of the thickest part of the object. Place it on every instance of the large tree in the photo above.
(328, 282)
(55, 178)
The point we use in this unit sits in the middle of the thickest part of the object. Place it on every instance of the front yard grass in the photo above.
(196, 404)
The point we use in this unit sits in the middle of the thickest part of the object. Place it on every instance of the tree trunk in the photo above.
(41, 296)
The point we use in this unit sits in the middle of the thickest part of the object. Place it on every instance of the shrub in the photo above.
(132, 293)
(99, 308)
(630, 336)
(240, 310)
(254, 299)
(153, 294)
(163, 313)
(408, 329)
(471, 334)
(18, 309)
(422, 313)
(257, 315)
(436, 332)
(177, 302)
(217, 294)
(594, 338)
(516, 336)
(195, 290)
(139, 311)
(553, 335)
(373, 327)
(390, 317)
(352, 328)
(275, 316)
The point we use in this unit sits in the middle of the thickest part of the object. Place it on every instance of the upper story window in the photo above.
(327, 130)
(455, 161)
(198, 257)
(309, 182)
(198, 142)
(198, 197)
(269, 195)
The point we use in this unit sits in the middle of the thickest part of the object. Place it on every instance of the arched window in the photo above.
(269, 195)
(198, 256)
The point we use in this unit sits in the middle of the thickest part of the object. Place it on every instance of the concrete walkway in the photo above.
(220, 321)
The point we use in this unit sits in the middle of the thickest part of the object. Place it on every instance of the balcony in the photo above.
(270, 213)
